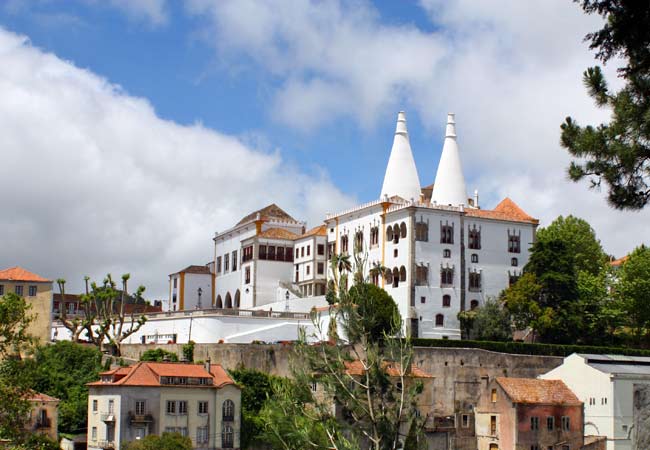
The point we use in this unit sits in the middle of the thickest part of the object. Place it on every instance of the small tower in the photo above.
(449, 187)
(401, 174)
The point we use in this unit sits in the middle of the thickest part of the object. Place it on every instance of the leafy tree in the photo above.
(376, 308)
(633, 291)
(491, 322)
(188, 351)
(168, 441)
(580, 240)
(522, 301)
(14, 320)
(617, 153)
(14, 409)
(600, 315)
(158, 354)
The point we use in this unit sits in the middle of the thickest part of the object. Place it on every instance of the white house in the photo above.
(605, 383)
(190, 288)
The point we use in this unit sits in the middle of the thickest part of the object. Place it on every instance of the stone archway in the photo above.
(219, 302)
(237, 299)
(228, 304)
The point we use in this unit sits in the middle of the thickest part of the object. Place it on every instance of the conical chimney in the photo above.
(449, 187)
(401, 174)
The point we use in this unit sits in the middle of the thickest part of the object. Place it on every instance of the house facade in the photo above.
(44, 415)
(199, 401)
(191, 288)
(528, 414)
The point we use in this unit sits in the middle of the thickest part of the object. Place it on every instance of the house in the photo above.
(191, 288)
(528, 414)
(37, 291)
(44, 415)
(605, 383)
(199, 401)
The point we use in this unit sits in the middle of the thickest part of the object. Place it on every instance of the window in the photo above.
(203, 407)
(493, 425)
(494, 446)
(247, 275)
(171, 407)
(18, 290)
(358, 241)
(111, 406)
(446, 253)
(247, 253)
(513, 277)
(465, 421)
(307, 267)
(474, 258)
(395, 277)
(514, 262)
(182, 407)
(202, 435)
(270, 252)
(475, 281)
(297, 252)
(93, 434)
(566, 423)
(421, 231)
(261, 252)
(234, 260)
(395, 253)
(32, 291)
(446, 276)
(514, 242)
(395, 234)
(374, 277)
(226, 263)
(344, 244)
(320, 268)
(474, 238)
(440, 320)
(218, 268)
(279, 254)
(446, 301)
(446, 234)
(388, 275)
(423, 300)
(550, 423)
(176, 279)
(473, 304)
(228, 410)
(227, 440)
(402, 274)
(389, 233)
(139, 407)
(288, 254)
(493, 396)
(95, 405)
(2, 289)
(421, 275)
(402, 230)
(320, 249)
(330, 250)
(534, 423)
(374, 236)
(302, 252)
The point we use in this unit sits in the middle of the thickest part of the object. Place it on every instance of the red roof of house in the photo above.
(506, 210)
(278, 233)
(39, 397)
(392, 369)
(320, 230)
(20, 274)
(619, 262)
(149, 373)
(532, 390)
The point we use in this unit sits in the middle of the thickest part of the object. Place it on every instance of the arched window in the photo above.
(446, 234)
(474, 238)
(358, 241)
(344, 244)
(389, 233)
(395, 277)
(421, 231)
(446, 301)
(227, 437)
(446, 253)
(395, 234)
(446, 277)
(402, 273)
(374, 236)
(514, 262)
(474, 258)
(219, 303)
(402, 230)
(389, 276)
(237, 299)
(228, 304)
(473, 304)
(228, 411)
(440, 320)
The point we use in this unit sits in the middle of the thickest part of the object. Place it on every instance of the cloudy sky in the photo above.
(131, 131)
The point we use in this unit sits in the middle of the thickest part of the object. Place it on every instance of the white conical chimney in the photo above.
(449, 187)
(401, 174)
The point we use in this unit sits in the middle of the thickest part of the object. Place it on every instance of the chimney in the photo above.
(207, 364)
(476, 198)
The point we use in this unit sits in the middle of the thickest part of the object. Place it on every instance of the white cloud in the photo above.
(94, 182)
(511, 70)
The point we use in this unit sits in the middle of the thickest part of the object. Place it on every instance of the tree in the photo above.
(617, 153)
(376, 309)
(633, 291)
(491, 322)
(159, 355)
(14, 320)
(168, 441)
(522, 301)
(580, 240)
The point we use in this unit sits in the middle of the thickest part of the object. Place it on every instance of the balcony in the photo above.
(140, 418)
(108, 416)
(228, 418)
(42, 422)
(106, 445)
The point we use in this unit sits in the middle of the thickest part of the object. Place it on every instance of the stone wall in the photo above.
(642, 416)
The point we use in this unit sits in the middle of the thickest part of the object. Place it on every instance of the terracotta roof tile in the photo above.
(506, 210)
(149, 373)
(278, 233)
(20, 274)
(619, 262)
(39, 397)
(269, 212)
(316, 231)
(196, 269)
(392, 369)
(532, 390)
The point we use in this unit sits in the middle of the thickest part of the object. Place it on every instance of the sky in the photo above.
(131, 132)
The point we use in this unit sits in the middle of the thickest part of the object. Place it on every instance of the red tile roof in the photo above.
(619, 262)
(534, 391)
(392, 369)
(39, 397)
(269, 212)
(506, 210)
(278, 233)
(20, 274)
(316, 231)
(149, 373)
(205, 270)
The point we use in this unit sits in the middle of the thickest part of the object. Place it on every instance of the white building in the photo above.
(441, 253)
(605, 383)
(190, 288)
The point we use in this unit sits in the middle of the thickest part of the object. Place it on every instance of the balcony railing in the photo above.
(140, 418)
(108, 416)
(42, 422)
(106, 445)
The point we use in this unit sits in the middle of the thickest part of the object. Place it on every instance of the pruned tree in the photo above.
(14, 322)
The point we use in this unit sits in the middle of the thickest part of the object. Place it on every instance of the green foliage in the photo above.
(617, 153)
(13, 410)
(580, 240)
(62, 371)
(411, 442)
(168, 441)
(158, 355)
(188, 351)
(377, 310)
(490, 322)
(256, 388)
(14, 320)
(633, 291)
